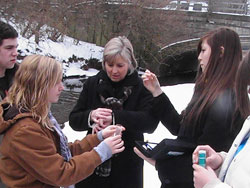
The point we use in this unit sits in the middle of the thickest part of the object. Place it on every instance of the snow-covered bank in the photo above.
(60, 50)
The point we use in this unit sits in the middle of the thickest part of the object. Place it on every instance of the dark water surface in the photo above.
(64, 106)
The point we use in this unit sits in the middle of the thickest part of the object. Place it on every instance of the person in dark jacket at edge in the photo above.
(210, 117)
(116, 95)
(8, 57)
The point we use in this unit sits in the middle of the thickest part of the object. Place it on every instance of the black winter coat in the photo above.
(135, 117)
(214, 129)
(6, 81)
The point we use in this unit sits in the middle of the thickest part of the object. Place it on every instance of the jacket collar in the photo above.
(9, 115)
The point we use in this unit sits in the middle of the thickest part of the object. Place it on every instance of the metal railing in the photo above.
(241, 7)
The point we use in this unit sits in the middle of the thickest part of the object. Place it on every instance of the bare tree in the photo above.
(145, 22)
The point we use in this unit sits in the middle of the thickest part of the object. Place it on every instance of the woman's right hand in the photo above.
(151, 82)
(115, 143)
(149, 160)
(202, 175)
(213, 160)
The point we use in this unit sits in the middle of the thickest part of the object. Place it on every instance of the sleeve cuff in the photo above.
(90, 124)
(113, 118)
(104, 151)
(99, 136)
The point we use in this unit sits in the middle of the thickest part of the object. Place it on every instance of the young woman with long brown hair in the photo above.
(229, 169)
(35, 152)
(209, 116)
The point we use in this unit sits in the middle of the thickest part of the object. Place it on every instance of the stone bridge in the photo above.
(201, 17)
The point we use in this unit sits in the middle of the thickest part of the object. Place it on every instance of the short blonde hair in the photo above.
(29, 91)
(119, 46)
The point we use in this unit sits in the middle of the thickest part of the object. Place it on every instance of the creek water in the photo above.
(68, 99)
(64, 106)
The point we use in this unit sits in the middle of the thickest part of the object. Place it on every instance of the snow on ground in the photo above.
(74, 70)
(179, 95)
(60, 50)
(66, 48)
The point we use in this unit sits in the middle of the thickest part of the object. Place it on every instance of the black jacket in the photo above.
(6, 81)
(214, 129)
(134, 116)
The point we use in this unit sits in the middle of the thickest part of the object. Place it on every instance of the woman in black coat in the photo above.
(116, 95)
(209, 116)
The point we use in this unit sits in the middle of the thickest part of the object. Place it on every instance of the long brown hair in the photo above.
(29, 91)
(220, 71)
(242, 81)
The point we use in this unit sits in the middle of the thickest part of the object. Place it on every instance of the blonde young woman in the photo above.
(35, 151)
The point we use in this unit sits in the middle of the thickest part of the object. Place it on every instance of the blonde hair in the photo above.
(29, 91)
(119, 46)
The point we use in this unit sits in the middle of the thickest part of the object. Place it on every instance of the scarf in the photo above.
(65, 152)
(112, 95)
